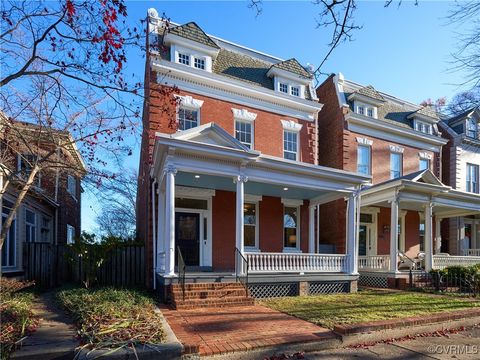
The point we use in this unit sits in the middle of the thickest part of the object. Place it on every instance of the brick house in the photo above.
(461, 159)
(239, 180)
(50, 212)
(400, 145)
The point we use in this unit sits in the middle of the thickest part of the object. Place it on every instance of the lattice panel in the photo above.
(373, 281)
(328, 287)
(262, 291)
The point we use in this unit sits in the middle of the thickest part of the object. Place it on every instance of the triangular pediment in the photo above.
(425, 177)
(211, 134)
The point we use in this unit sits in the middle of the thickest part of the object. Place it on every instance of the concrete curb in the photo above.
(172, 349)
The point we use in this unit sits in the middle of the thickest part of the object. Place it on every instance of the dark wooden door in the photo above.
(187, 237)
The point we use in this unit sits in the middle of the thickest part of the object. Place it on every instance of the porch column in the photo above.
(170, 172)
(438, 236)
(161, 232)
(428, 238)
(394, 235)
(311, 230)
(239, 236)
(352, 234)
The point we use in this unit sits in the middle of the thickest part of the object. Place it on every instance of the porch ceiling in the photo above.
(251, 187)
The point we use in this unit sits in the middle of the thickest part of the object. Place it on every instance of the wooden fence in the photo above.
(53, 265)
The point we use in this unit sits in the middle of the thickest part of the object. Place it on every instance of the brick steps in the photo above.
(201, 295)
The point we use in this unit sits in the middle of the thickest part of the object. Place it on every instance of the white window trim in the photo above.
(418, 125)
(70, 227)
(245, 116)
(291, 126)
(396, 149)
(364, 141)
(425, 156)
(296, 204)
(467, 182)
(401, 164)
(366, 107)
(369, 147)
(297, 153)
(281, 80)
(74, 193)
(475, 128)
(32, 225)
(189, 103)
(255, 248)
(15, 242)
(175, 50)
(427, 160)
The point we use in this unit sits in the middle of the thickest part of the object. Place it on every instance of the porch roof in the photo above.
(416, 190)
(210, 151)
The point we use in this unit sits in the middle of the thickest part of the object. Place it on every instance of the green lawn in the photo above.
(108, 317)
(368, 305)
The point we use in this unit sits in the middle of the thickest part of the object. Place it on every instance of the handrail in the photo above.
(414, 264)
(241, 269)
(181, 271)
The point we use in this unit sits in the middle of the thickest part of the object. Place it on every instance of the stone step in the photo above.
(196, 303)
(207, 294)
(207, 286)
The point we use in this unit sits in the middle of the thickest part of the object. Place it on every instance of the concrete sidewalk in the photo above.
(55, 338)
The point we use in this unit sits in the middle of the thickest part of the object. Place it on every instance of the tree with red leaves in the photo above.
(64, 86)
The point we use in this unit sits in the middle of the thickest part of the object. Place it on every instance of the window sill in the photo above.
(291, 250)
(252, 249)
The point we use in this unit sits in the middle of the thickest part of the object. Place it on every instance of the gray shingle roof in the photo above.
(427, 111)
(193, 32)
(370, 92)
(460, 116)
(293, 66)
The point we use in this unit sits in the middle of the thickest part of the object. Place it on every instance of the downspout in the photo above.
(56, 198)
(154, 235)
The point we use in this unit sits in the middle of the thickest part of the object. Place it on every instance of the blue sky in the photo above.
(404, 51)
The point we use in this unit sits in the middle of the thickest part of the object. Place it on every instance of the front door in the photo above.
(187, 236)
(363, 240)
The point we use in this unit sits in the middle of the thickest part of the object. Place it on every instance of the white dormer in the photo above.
(190, 57)
(365, 109)
(423, 122)
(288, 82)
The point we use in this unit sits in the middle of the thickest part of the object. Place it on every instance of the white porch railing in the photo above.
(283, 262)
(443, 261)
(374, 262)
(471, 252)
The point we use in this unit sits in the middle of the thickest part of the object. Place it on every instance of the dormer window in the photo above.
(361, 110)
(283, 88)
(295, 91)
(471, 128)
(199, 63)
(184, 59)
(370, 112)
(423, 127)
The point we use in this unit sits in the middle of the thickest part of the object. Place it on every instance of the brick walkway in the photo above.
(211, 331)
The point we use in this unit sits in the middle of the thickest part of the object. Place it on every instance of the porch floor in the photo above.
(223, 330)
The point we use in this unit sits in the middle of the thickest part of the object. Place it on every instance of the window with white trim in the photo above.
(30, 226)
(364, 159)
(9, 248)
(396, 165)
(70, 234)
(244, 133)
(424, 164)
(290, 227)
(370, 112)
(184, 59)
(423, 127)
(290, 145)
(295, 91)
(471, 128)
(199, 63)
(282, 87)
(472, 178)
(72, 185)
(187, 118)
(361, 110)
(250, 223)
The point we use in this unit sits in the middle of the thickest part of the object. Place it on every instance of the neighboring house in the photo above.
(400, 145)
(50, 212)
(240, 175)
(461, 159)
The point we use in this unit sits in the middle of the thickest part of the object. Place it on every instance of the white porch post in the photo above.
(394, 235)
(170, 172)
(428, 238)
(240, 181)
(161, 231)
(461, 236)
(438, 236)
(311, 230)
(352, 246)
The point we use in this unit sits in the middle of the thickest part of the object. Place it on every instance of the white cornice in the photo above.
(364, 141)
(386, 131)
(221, 87)
(291, 125)
(424, 155)
(274, 71)
(396, 149)
(244, 114)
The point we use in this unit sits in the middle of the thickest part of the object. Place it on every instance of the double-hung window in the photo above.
(424, 164)
(250, 225)
(370, 112)
(290, 145)
(363, 159)
(70, 234)
(471, 128)
(295, 91)
(30, 226)
(72, 185)
(361, 110)
(8, 252)
(244, 133)
(472, 178)
(199, 63)
(282, 87)
(290, 227)
(187, 118)
(396, 164)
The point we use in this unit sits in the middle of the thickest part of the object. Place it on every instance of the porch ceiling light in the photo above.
(285, 188)
(197, 176)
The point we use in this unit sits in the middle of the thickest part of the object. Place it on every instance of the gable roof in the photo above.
(211, 134)
(461, 116)
(370, 92)
(193, 32)
(427, 111)
(293, 66)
